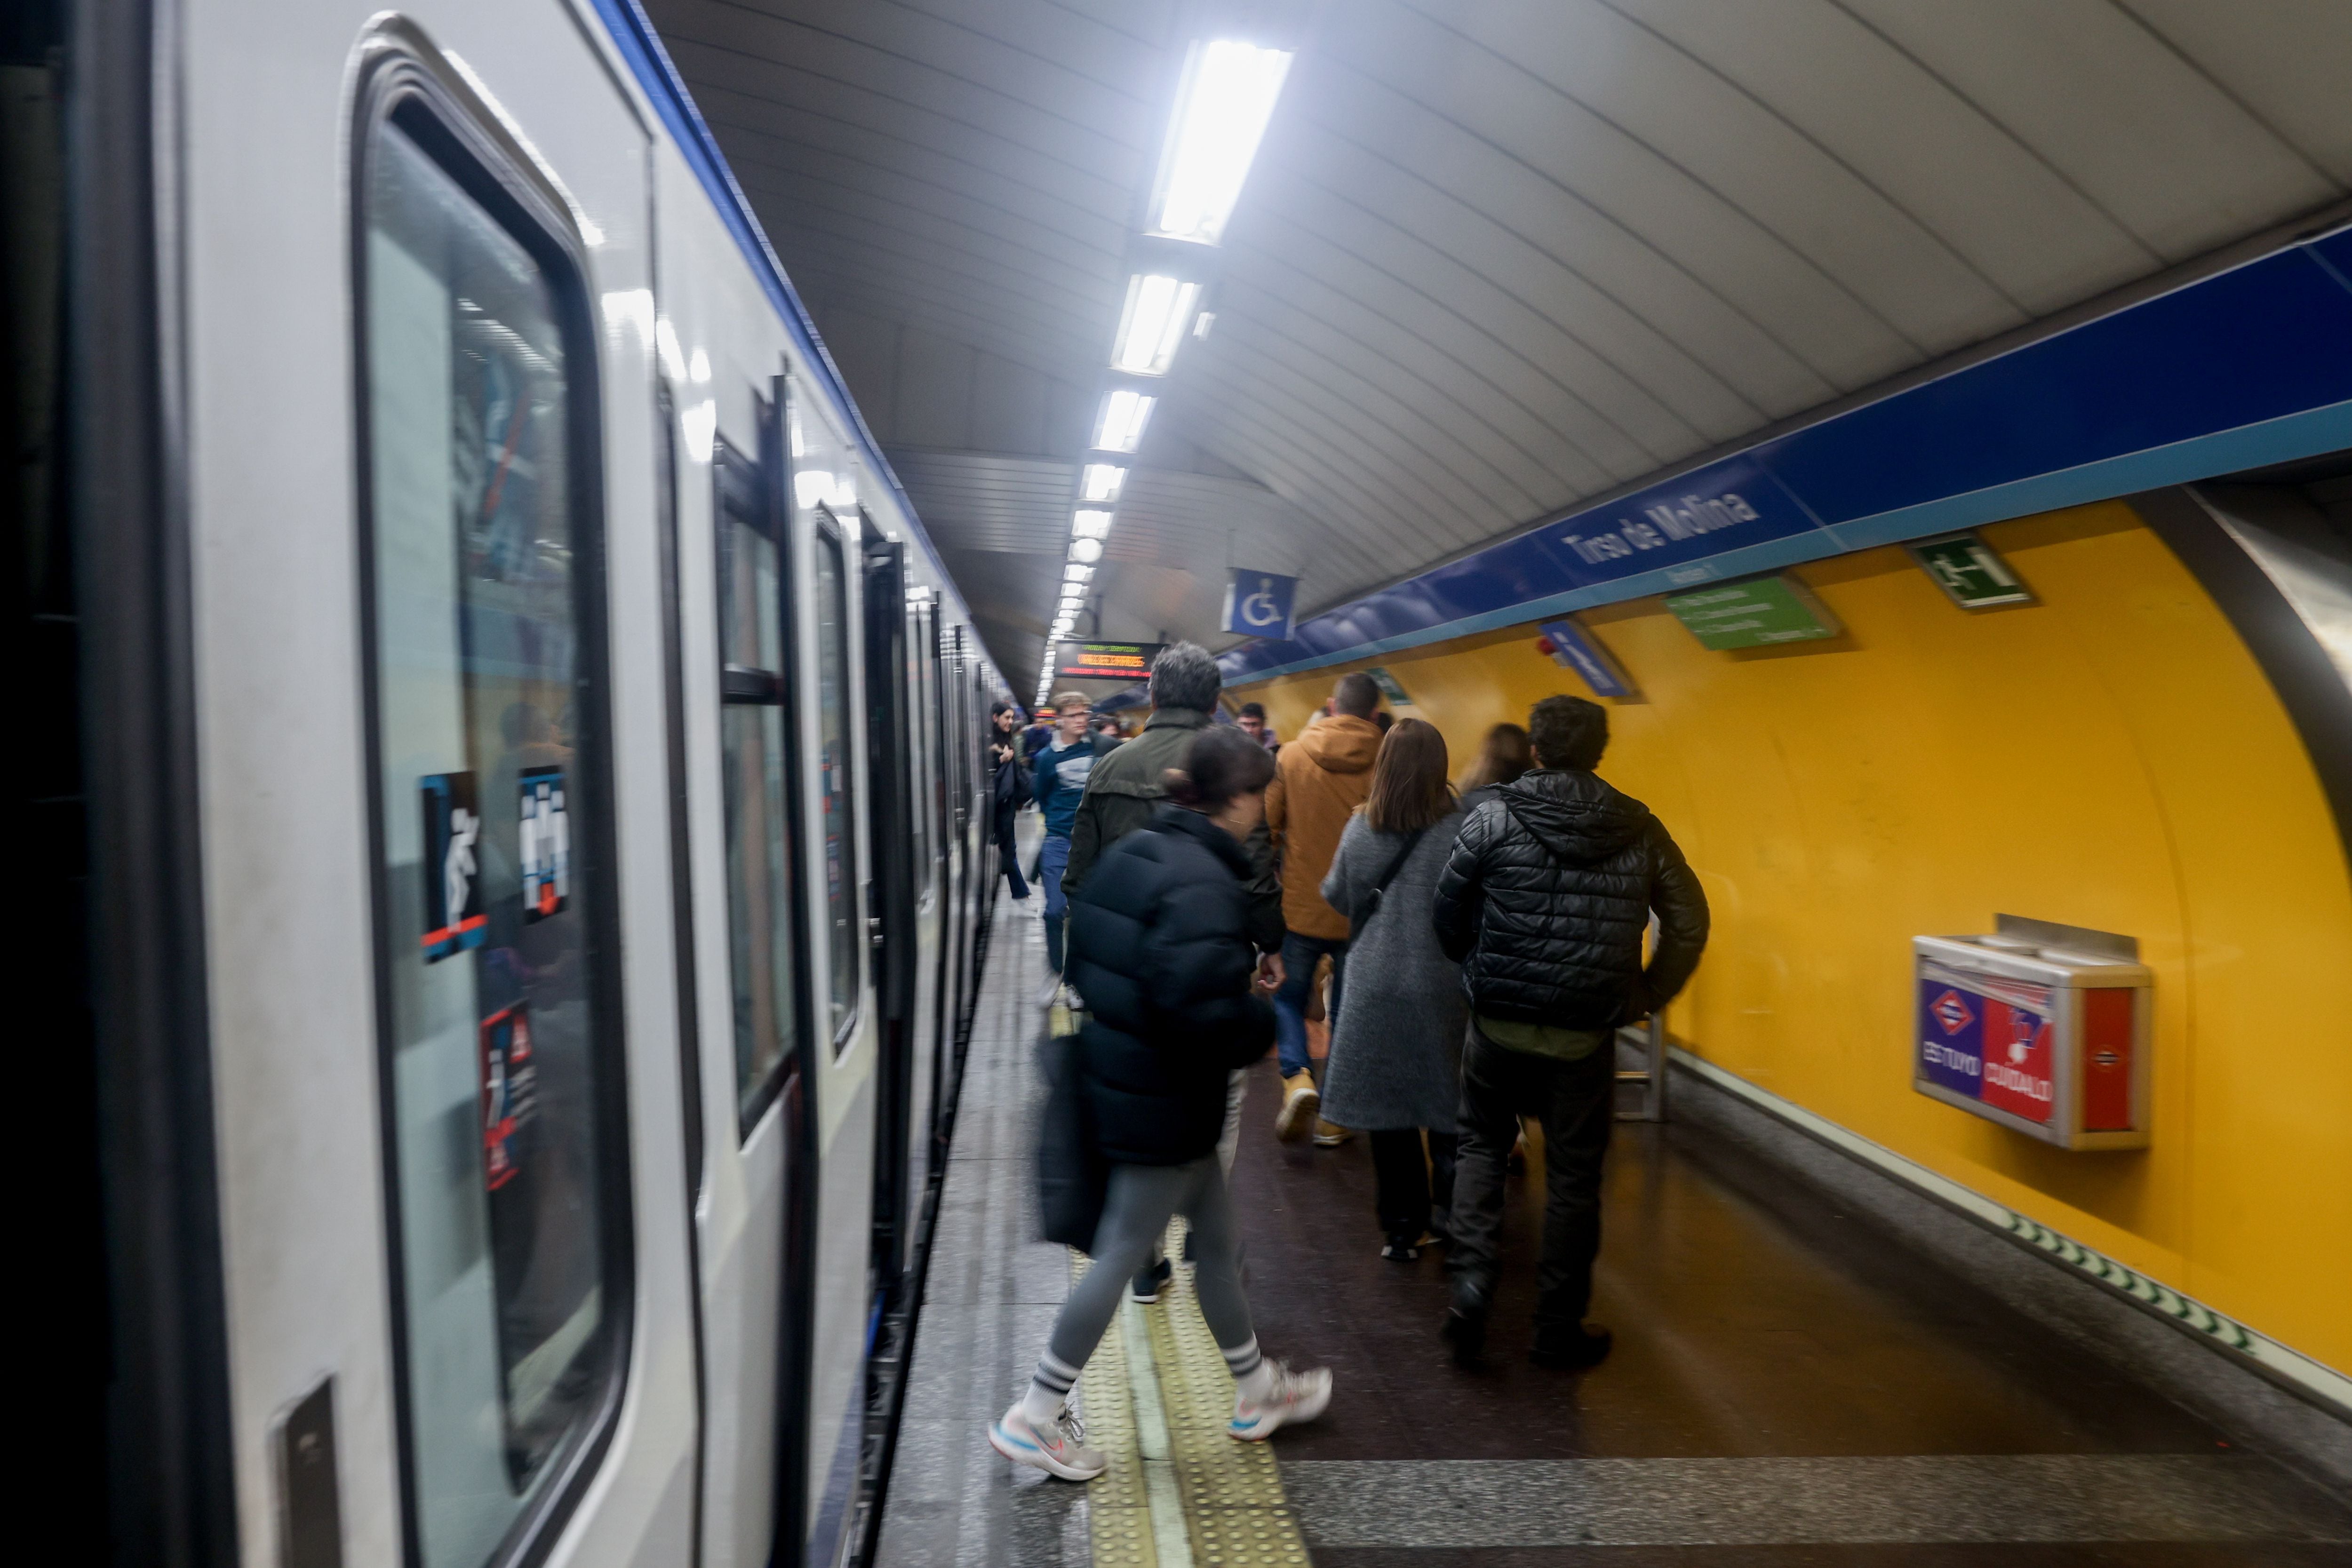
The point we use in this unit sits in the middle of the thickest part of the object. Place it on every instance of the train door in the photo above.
(837, 802)
(890, 853)
(923, 728)
(753, 1217)
(419, 489)
(943, 923)
(961, 756)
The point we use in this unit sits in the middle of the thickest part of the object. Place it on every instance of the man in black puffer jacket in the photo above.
(1544, 903)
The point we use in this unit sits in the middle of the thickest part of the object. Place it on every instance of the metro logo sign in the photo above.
(1951, 1039)
(1951, 1010)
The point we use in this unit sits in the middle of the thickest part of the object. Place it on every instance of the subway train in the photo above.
(505, 768)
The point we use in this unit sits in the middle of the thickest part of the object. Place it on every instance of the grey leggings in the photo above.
(1142, 1201)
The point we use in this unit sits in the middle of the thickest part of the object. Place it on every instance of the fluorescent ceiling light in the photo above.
(1091, 524)
(1221, 109)
(1101, 482)
(1158, 309)
(1124, 414)
(1202, 322)
(1086, 550)
(1074, 572)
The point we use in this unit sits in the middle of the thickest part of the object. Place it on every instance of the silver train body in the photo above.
(538, 838)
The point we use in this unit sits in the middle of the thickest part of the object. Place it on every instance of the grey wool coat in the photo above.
(1396, 1049)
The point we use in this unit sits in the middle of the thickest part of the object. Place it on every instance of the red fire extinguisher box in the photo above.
(2040, 1027)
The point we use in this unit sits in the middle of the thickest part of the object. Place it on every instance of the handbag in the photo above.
(1369, 905)
(1073, 1177)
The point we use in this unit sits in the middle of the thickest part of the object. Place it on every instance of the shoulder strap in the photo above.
(1371, 899)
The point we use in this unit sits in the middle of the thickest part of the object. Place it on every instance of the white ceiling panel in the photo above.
(1495, 256)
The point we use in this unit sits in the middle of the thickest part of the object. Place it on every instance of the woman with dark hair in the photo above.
(1502, 757)
(1396, 1047)
(1161, 952)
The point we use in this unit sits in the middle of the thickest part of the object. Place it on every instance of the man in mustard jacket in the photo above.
(1319, 780)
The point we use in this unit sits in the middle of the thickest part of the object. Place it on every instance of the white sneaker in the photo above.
(1056, 1449)
(1292, 1397)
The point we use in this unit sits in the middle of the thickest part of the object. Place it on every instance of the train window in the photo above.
(498, 992)
(761, 875)
(834, 783)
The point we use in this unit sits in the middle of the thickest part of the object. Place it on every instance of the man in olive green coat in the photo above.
(1124, 790)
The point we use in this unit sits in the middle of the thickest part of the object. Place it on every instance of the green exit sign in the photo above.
(1758, 613)
(1971, 571)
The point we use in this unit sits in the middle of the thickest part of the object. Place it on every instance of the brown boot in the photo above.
(1301, 1101)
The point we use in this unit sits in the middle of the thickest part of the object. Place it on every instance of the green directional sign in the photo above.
(1971, 571)
(1758, 613)
(1390, 688)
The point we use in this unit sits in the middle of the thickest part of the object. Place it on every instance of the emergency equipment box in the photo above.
(2040, 1027)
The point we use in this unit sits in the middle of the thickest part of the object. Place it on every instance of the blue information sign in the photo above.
(1260, 604)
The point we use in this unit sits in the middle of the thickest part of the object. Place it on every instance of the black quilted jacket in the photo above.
(1160, 949)
(1546, 897)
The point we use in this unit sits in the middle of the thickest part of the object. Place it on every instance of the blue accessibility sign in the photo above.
(1261, 604)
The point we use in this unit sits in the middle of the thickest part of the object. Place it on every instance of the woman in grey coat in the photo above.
(1396, 1047)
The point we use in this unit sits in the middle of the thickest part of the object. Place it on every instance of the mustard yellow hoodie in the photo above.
(1319, 780)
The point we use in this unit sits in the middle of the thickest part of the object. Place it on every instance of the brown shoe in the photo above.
(1330, 1134)
(1301, 1101)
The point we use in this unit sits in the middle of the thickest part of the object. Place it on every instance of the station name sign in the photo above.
(1105, 661)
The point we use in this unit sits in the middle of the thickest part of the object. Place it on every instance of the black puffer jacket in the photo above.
(1546, 897)
(1160, 949)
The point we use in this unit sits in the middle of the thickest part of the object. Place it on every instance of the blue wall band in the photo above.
(2249, 366)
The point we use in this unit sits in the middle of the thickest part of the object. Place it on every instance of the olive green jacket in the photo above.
(1124, 791)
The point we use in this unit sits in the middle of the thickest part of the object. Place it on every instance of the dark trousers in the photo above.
(1575, 1103)
(1008, 860)
(1404, 1186)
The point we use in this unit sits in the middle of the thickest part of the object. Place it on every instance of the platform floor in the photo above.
(1791, 1386)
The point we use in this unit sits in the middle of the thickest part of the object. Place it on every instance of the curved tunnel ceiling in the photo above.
(1494, 258)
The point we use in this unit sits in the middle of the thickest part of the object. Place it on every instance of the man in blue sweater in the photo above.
(1059, 783)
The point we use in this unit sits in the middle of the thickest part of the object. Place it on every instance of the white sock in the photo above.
(1253, 1373)
(1049, 1390)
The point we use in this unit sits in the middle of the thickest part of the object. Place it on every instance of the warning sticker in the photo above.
(451, 868)
(544, 844)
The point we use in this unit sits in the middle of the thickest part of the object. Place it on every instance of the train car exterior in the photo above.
(560, 809)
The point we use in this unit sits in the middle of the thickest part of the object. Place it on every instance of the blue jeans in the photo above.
(1053, 858)
(1299, 956)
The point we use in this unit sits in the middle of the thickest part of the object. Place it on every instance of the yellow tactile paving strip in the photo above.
(1235, 1514)
(1119, 1515)
(1233, 1502)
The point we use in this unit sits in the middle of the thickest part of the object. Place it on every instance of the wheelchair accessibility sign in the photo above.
(1260, 604)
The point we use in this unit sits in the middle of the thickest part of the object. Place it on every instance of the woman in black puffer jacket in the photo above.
(1160, 949)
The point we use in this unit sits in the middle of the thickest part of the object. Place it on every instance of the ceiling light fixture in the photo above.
(1101, 482)
(1088, 550)
(1221, 109)
(1074, 572)
(1119, 427)
(1091, 524)
(1159, 310)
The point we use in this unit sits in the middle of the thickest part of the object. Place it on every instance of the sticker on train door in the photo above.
(509, 1091)
(544, 844)
(451, 866)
